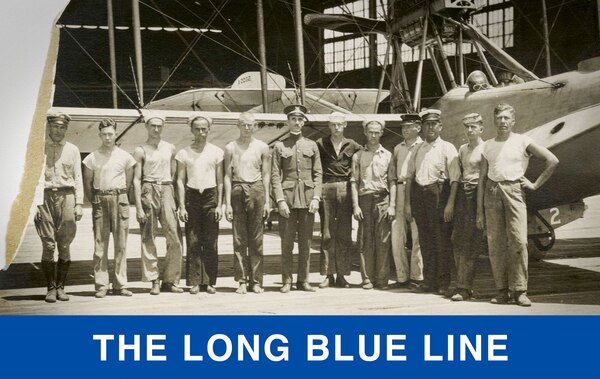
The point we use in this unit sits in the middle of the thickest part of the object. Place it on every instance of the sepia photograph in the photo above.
(302, 157)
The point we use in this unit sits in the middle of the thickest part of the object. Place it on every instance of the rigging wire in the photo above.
(99, 66)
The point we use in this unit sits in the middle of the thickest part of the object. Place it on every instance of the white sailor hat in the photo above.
(337, 117)
(194, 116)
(149, 115)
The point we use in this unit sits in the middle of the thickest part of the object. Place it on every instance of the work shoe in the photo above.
(445, 292)
(329, 281)
(400, 285)
(501, 298)
(122, 292)
(341, 282)
(170, 287)
(522, 299)
(155, 287)
(305, 286)
(367, 285)
(211, 290)
(242, 290)
(285, 288)
(257, 288)
(51, 295)
(194, 290)
(61, 295)
(461, 295)
(101, 293)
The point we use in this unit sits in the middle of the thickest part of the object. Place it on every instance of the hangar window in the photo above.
(348, 51)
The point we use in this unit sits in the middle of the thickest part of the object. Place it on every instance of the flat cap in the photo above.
(472, 118)
(58, 117)
(371, 119)
(409, 119)
(194, 116)
(295, 109)
(431, 114)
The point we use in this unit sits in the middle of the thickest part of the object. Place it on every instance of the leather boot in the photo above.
(48, 269)
(62, 268)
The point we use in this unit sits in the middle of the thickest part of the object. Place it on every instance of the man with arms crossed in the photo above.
(59, 207)
(296, 175)
(407, 273)
(336, 153)
(107, 176)
(200, 190)
(155, 201)
(501, 203)
(247, 202)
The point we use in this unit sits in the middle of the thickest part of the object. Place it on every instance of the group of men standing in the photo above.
(417, 190)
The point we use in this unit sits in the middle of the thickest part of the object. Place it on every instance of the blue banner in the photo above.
(300, 346)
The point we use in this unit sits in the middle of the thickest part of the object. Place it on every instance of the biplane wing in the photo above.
(83, 128)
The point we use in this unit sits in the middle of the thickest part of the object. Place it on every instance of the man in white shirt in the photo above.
(155, 201)
(501, 203)
(431, 186)
(200, 190)
(247, 202)
(60, 205)
(107, 176)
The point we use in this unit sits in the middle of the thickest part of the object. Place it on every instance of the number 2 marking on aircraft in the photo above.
(554, 219)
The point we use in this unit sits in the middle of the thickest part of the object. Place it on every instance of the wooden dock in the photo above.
(567, 282)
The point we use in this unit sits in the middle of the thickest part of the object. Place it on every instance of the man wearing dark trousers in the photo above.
(336, 153)
(296, 175)
(59, 207)
(431, 185)
(200, 190)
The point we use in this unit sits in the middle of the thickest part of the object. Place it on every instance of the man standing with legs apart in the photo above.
(59, 207)
(407, 272)
(371, 206)
(200, 190)
(467, 240)
(336, 217)
(247, 202)
(107, 176)
(435, 173)
(155, 201)
(501, 203)
(296, 175)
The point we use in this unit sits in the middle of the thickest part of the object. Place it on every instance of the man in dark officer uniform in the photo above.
(336, 153)
(60, 205)
(296, 179)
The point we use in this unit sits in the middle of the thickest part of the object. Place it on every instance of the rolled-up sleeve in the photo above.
(452, 163)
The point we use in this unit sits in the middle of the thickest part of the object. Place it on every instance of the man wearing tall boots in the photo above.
(247, 202)
(59, 208)
(296, 175)
(154, 202)
(336, 153)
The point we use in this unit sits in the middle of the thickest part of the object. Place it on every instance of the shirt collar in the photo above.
(417, 141)
(379, 150)
(436, 142)
(49, 142)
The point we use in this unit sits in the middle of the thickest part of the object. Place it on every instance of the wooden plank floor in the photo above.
(568, 282)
